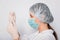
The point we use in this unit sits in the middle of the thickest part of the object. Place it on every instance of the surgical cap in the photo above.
(42, 12)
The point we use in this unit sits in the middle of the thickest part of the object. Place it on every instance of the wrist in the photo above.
(16, 37)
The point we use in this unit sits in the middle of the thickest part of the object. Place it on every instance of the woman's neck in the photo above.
(43, 27)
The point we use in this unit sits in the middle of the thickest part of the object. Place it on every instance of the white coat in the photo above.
(44, 35)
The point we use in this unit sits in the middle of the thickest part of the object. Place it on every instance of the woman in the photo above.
(40, 18)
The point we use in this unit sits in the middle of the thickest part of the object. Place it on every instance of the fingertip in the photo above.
(12, 13)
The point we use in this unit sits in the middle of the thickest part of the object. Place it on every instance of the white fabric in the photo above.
(45, 35)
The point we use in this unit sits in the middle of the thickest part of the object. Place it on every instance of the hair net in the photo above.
(42, 12)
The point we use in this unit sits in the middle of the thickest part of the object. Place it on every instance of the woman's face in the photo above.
(40, 23)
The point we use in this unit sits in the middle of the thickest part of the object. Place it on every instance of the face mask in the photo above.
(33, 24)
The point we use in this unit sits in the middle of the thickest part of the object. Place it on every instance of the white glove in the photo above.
(12, 29)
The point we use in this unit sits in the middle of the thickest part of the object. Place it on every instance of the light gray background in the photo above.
(21, 7)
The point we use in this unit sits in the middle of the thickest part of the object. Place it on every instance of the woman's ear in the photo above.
(37, 20)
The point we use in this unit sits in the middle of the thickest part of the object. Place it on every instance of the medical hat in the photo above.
(42, 12)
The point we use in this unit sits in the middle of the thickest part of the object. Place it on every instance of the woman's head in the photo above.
(41, 12)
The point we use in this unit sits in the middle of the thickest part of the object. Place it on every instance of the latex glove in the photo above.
(12, 28)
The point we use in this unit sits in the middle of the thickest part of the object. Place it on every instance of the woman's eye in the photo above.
(31, 16)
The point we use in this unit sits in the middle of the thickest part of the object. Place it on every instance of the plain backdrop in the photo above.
(21, 9)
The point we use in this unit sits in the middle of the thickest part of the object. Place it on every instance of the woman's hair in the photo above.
(54, 33)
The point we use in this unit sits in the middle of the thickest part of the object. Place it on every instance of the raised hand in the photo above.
(12, 28)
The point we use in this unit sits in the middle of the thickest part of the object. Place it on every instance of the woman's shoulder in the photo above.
(48, 35)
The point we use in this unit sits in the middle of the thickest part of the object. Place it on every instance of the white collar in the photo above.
(47, 31)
